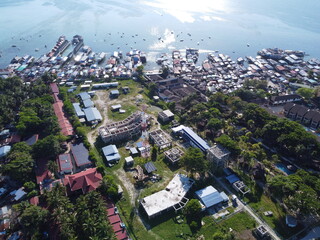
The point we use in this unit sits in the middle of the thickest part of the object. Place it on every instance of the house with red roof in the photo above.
(83, 182)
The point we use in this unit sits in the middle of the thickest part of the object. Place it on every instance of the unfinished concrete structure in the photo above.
(122, 130)
(160, 138)
(174, 154)
(218, 155)
(239, 186)
(172, 197)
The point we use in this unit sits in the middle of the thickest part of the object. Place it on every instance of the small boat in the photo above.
(291, 167)
(248, 45)
(36, 50)
(13, 46)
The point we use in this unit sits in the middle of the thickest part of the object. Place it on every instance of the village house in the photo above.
(210, 197)
(275, 100)
(83, 182)
(111, 154)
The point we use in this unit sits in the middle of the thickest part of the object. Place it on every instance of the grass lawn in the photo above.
(116, 116)
(170, 229)
(277, 221)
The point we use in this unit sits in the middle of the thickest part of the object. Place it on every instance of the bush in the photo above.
(93, 156)
(193, 226)
(29, 186)
(33, 193)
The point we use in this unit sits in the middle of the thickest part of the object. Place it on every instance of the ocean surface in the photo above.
(234, 27)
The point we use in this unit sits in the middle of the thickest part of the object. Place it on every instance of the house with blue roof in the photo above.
(92, 115)
(111, 154)
(114, 93)
(84, 96)
(4, 150)
(88, 103)
(78, 110)
(210, 196)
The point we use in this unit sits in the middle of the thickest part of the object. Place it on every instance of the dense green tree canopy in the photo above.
(194, 161)
(47, 147)
(299, 191)
(193, 208)
(33, 220)
(20, 163)
(307, 93)
(228, 143)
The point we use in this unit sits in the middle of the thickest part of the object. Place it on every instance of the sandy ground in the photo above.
(102, 103)
(132, 191)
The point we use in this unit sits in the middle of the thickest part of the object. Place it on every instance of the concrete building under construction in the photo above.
(122, 130)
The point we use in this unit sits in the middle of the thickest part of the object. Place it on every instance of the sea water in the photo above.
(234, 27)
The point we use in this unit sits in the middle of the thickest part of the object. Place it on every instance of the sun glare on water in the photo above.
(187, 11)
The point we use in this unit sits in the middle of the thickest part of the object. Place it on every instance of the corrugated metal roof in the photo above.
(232, 178)
(80, 154)
(88, 103)
(110, 149)
(78, 110)
(115, 92)
(84, 96)
(92, 114)
(209, 196)
(111, 153)
(195, 138)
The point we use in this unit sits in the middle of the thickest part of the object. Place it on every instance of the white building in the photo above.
(172, 197)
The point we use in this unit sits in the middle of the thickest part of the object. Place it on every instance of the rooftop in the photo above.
(192, 136)
(165, 199)
(111, 153)
(92, 114)
(84, 96)
(174, 154)
(88, 103)
(80, 154)
(86, 181)
(209, 196)
(64, 161)
(219, 151)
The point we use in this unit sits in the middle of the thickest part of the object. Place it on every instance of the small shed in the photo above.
(129, 161)
(116, 107)
(114, 93)
(125, 90)
(134, 151)
(150, 167)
